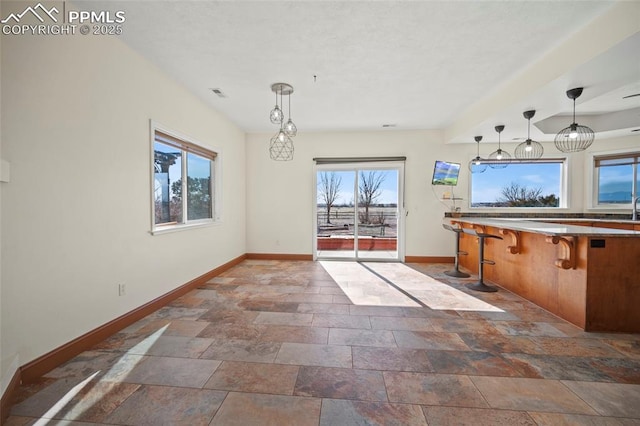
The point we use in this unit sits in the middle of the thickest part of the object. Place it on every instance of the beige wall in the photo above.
(76, 214)
(280, 195)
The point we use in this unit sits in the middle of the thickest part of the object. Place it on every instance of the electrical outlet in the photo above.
(122, 290)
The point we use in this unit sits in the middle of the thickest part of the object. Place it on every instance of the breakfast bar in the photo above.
(588, 275)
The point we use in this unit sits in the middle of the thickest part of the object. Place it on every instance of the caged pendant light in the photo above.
(574, 138)
(500, 158)
(476, 164)
(529, 149)
(281, 145)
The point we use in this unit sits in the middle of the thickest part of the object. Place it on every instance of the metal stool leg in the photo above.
(480, 285)
(456, 269)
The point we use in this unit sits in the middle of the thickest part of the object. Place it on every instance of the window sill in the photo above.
(617, 208)
(183, 227)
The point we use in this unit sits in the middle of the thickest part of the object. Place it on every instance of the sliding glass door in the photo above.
(358, 211)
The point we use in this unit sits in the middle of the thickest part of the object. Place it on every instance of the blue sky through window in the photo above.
(615, 184)
(199, 167)
(389, 187)
(487, 186)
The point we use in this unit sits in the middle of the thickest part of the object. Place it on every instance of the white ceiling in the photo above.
(418, 65)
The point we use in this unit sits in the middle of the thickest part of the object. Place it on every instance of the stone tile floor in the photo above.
(280, 343)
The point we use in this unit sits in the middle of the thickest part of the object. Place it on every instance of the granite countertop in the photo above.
(545, 228)
(556, 217)
(581, 219)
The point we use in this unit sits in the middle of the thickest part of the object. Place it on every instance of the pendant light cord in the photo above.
(281, 122)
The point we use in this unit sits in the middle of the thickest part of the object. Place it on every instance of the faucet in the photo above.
(634, 209)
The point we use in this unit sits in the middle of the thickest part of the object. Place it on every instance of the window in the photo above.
(538, 183)
(183, 182)
(616, 178)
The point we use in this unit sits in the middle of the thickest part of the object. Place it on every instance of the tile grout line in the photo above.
(579, 397)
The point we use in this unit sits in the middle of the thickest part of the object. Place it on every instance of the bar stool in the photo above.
(456, 271)
(480, 285)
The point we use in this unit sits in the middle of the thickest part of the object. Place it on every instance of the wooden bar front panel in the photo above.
(613, 295)
(602, 292)
(532, 273)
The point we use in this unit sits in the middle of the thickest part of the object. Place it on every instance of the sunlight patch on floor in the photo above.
(62, 402)
(364, 288)
(98, 390)
(430, 291)
(372, 283)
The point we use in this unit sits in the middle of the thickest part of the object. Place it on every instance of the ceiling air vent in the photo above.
(218, 92)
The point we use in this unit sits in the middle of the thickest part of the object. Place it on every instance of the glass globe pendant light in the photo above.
(575, 137)
(476, 165)
(500, 158)
(529, 149)
(289, 128)
(276, 116)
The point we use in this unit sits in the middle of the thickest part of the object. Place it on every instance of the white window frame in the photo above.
(216, 185)
(564, 189)
(357, 165)
(591, 189)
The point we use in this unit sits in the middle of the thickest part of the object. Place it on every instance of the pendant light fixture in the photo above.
(575, 137)
(476, 164)
(500, 158)
(281, 145)
(529, 149)
(276, 116)
(290, 128)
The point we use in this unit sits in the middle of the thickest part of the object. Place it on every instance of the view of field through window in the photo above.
(357, 206)
(526, 184)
